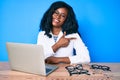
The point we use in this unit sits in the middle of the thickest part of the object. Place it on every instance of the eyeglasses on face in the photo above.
(57, 13)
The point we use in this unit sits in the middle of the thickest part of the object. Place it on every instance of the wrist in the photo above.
(63, 60)
(55, 47)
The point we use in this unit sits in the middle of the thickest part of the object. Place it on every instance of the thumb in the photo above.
(64, 34)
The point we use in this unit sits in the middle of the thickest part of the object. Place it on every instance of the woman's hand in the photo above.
(52, 60)
(63, 42)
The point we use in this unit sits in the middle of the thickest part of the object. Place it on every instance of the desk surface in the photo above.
(61, 73)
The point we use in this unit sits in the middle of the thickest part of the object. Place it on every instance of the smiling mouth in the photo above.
(57, 21)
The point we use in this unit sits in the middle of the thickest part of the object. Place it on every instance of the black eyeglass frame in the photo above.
(102, 67)
(78, 69)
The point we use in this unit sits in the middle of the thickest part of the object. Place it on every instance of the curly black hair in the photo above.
(70, 25)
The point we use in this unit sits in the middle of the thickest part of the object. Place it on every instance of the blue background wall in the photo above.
(99, 22)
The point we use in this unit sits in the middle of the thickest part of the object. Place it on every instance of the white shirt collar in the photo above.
(59, 35)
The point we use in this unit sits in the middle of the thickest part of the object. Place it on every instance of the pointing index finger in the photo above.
(71, 38)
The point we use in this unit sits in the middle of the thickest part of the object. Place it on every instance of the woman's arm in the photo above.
(56, 60)
(82, 53)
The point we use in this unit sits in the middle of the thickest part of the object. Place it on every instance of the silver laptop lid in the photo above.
(26, 57)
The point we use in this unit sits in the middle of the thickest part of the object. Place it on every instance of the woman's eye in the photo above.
(63, 16)
(56, 12)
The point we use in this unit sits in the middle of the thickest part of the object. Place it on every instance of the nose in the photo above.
(58, 16)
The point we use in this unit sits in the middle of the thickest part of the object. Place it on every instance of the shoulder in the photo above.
(41, 34)
(76, 35)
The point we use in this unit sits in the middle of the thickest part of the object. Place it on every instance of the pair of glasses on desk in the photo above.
(104, 68)
(78, 69)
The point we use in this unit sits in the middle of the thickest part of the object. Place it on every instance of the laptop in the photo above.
(28, 58)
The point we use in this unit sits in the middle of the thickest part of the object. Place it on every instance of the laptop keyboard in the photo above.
(48, 70)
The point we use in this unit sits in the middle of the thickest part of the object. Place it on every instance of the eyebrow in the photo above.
(61, 13)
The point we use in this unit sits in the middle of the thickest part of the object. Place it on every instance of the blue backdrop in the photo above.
(99, 25)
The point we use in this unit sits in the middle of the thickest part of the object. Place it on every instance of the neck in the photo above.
(56, 31)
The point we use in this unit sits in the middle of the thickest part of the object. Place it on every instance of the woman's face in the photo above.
(59, 16)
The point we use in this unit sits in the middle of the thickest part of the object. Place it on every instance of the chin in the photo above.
(55, 25)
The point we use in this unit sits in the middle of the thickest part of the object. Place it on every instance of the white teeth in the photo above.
(56, 20)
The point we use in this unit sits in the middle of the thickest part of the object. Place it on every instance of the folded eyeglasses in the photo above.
(104, 68)
(78, 69)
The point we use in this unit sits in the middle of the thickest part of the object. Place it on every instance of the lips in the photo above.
(56, 20)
